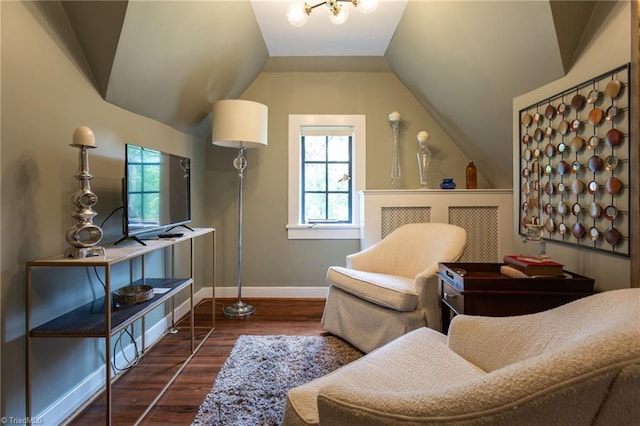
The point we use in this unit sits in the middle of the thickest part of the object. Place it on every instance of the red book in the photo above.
(534, 267)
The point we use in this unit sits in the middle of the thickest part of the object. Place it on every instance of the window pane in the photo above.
(339, 207)
(338, 148)
(135, 207)
(134, 176)
(314, 205)
(315, 148)
(338, 177)
(150, 156)
(151, 177)
(134, 154)
(315, 177)
(151, 208)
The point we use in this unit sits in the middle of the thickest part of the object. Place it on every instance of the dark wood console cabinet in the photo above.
(480, 289)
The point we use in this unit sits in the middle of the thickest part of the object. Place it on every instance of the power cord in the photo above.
(109, 216)
(129, 363)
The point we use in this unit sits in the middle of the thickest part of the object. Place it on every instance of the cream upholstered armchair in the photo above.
(391, 287)
(578, 364)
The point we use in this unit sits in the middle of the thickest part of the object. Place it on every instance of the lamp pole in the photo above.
(239, 309)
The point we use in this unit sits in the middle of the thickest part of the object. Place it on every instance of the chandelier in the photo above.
(299, 11)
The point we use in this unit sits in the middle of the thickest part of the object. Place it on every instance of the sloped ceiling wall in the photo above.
(464, 61)
(468, 60)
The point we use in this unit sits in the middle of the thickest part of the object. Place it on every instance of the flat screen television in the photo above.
(156, 191)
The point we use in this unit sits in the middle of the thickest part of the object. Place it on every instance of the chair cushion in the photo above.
(390, 291)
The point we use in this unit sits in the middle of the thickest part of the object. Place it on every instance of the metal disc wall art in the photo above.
(575, 159)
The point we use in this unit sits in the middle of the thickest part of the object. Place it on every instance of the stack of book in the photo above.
(521, 267)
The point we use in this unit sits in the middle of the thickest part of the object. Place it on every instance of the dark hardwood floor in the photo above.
(139, 386)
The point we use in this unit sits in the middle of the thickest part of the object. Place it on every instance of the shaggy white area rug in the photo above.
(252, 385)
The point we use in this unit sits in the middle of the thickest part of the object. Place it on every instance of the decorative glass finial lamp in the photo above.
(84, 236)
(239, 124)
(396, 171)
(424, 157)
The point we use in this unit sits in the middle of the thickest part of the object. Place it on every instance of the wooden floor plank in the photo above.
(139, 386)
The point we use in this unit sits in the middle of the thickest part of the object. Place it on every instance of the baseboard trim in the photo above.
(60, 410)
(271, 292)
(68, 404)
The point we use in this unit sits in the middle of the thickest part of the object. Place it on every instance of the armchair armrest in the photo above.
(495, 342)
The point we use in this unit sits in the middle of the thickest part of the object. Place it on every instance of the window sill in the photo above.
(323, 232)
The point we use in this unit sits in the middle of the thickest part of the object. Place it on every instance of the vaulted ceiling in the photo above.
(464, 61)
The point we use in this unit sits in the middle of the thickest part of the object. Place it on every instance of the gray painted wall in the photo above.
(270, 259)
(46, 94)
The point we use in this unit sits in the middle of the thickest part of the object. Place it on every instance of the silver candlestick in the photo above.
(84, 235)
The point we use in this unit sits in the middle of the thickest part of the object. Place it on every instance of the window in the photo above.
(326, 171)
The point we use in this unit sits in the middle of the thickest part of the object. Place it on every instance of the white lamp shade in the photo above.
(239, 124)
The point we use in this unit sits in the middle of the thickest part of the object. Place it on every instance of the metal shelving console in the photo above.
(100, 319)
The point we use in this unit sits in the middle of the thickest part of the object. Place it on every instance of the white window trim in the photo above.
(322, 231)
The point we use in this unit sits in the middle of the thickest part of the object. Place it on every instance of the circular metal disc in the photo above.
(562, 228)
(549, 225)
(548, 208)
(593, 96)
(575, 167)
(610, 163)
(595, 163)
(563, 108)
(576, 125)
(563, 127)
(595, 116)
(563, 168)
(550, 112)
(577, 186)
(577, 144)
(612, 112)
(538, 134)
(613, 185)
(578, 230)
(595, 210)
(576, 209)
(577, 102)
(562, 208)
(550, 188)
(613, 137)
(613, 89)
(612, 235)
(610, 212)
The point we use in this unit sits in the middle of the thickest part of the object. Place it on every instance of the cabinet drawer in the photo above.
(452, 297)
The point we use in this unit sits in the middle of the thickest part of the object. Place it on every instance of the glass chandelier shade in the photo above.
(299, 11)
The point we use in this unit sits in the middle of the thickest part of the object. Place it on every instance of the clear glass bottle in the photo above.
(472, 176)
(396, 171)
(424, 157)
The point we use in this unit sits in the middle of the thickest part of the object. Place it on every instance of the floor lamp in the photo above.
(239, 124)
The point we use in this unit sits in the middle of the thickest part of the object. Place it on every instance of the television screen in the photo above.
(157, 191)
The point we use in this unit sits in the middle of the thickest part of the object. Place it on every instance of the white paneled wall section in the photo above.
(486, 214)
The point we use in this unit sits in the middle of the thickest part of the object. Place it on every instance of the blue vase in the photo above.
(448, 183)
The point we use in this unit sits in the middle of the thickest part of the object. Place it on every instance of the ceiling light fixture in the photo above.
(299, 11)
